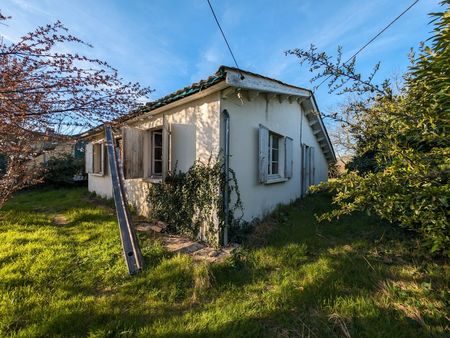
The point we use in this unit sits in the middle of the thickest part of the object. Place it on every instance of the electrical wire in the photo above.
(224, 37)
(373, 39)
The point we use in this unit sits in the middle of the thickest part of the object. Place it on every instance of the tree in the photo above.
(406, 132)
(42, 89)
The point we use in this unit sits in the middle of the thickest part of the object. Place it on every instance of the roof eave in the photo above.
(261, 83)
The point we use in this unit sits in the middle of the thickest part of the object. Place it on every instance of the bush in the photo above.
(193, 200)
(64, 170)
(402, 168)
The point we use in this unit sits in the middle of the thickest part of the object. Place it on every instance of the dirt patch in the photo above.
(179, 244)
(60, 220)
(261, 232)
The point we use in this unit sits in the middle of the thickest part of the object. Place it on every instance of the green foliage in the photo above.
(191, 201)
(61, 170)
(405, 180)
(70, 280)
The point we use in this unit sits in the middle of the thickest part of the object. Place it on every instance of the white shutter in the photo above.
(133, 152)
(307, 165)
(102, 160)
(305, 168)
(165, 148)
(88, 157)
(263, 153)
(313, 164)
(104, 163)
(288, 157)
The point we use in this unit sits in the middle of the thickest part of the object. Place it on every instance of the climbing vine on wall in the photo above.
(193, 200)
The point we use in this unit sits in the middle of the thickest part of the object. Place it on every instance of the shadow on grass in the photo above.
(306, 279)
(336, 274)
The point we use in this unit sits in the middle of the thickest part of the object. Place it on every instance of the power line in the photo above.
(373, 39)
(224, 37)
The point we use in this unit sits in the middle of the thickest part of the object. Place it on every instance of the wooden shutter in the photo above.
(288, 157)
(309, 166)
(104, 159)
(133, 152)
(305, 168)
(263, 153)
(88, 158)
(165, 148)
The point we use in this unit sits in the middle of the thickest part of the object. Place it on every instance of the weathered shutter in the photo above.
(88, 158)
(133, 152)
(307, 166)
(303, 169)
(263, 153)
(165, 148)
(313, 164)
(310, 154)
(104, 160)
(288, 157)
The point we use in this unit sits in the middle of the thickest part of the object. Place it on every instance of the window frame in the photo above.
(98, 153)
(153, 146)
(270, 173)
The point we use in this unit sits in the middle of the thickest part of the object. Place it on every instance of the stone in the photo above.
(161, 224)
(214, 253)
(60, 220)
(155, 228)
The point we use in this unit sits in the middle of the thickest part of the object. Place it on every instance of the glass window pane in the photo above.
(157, 167)
(275, 142)
(158, 139)
(274, 168)
(158, 154)
(275, 155)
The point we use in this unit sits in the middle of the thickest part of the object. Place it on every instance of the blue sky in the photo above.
(168, 44)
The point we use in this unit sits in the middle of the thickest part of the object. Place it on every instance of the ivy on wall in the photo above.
(191, 201)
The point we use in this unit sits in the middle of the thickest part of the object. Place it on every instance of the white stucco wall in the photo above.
(197, 133)
(283, 118)
(194, 136)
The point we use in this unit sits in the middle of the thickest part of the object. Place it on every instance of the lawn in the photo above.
(356, 277)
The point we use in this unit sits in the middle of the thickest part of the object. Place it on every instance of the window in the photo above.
(143, 153)
(97, 158)
(274, 154)
(156, 152)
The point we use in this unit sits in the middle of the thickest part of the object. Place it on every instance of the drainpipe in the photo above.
(226, 192)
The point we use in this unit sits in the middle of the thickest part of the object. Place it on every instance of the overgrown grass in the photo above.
(355, 277)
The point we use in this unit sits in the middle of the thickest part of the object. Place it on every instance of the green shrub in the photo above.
(192, 200)
(64, 170)
(402, 164)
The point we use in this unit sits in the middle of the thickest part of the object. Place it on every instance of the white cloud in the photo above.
(209, 61)
(29, 7)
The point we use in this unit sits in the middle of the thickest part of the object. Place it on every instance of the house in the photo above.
(269, 131)
(50, 144)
